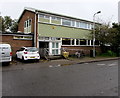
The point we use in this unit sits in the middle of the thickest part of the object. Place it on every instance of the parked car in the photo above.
(28, 53)
(5, 53)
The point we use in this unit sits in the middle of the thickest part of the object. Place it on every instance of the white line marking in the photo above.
(101, 64)
(55, 65)
(112, 64)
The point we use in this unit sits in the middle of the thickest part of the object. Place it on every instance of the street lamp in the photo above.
(94, 32)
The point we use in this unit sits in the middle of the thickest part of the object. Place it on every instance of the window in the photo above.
(77, 42)
(54, 38)
(55, 18)
(88, 26)
(91, 42)
(53, 45)
(66, 22)
(73, 23)
(72, 41)
(41, 15)
(27, 26)
(77, 24)
(83, 25)
(55, 48)
(82, 42)
(66, 41)
(88, 43)
(46, 16)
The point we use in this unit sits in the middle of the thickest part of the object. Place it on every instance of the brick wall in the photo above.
(85, 49)
(15, 44)
(26, 15)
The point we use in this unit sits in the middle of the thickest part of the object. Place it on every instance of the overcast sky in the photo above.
(83, 9)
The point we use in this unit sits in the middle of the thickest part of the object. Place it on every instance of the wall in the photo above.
(62, 31)
(85, 49)
(15, 44)
(25, 16)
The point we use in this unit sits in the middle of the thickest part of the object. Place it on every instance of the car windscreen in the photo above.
(32, 49)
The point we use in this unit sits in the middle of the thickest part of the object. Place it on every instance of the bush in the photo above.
(109, 53)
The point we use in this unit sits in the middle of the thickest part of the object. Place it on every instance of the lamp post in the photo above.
(94, 33)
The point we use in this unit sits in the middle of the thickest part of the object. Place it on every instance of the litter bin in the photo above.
(65, 54)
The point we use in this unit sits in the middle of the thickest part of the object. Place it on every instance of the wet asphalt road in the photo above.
(88, 79)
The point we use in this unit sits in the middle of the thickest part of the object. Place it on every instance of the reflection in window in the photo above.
(83, 25)
(66, 22)
(73, 23)
(77, 24)
(55, 18)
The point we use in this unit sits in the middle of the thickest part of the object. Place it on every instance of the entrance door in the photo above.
(43, 44)
(44, 48)
(56, 48)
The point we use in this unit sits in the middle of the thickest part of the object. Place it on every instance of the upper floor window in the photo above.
(46, 16)
(77, 24)
(27, 26)
(55, 18)
(73, 23)
(66, 22)
(52, 19)
(41, 15)
(83, 25)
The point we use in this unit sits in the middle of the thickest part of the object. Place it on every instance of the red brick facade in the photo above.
(26, 15)
(15, 44)
(29, 15)
(85, 49)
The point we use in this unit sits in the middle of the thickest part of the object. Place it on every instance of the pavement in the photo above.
(59, 62)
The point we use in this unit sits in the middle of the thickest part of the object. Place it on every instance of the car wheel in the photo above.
(23, 59)
(16, 57)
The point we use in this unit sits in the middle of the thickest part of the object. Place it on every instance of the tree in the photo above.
(14, 27)
(2, 27)
(108, 36)
(7, 22)
(8, 25)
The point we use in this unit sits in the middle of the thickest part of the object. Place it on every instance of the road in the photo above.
(88, 79)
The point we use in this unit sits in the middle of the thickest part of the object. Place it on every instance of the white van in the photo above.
(5, 53)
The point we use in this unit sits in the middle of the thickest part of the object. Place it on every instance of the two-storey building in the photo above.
(55, 31)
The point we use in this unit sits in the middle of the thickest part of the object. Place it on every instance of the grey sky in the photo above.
(83, 9)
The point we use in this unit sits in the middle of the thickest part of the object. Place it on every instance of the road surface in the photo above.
(88, 79)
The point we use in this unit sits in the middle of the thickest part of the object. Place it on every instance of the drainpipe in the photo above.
(36, 44)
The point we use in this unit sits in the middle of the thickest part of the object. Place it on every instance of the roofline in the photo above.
(26, 8)
(7, 33)
(47, 12)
